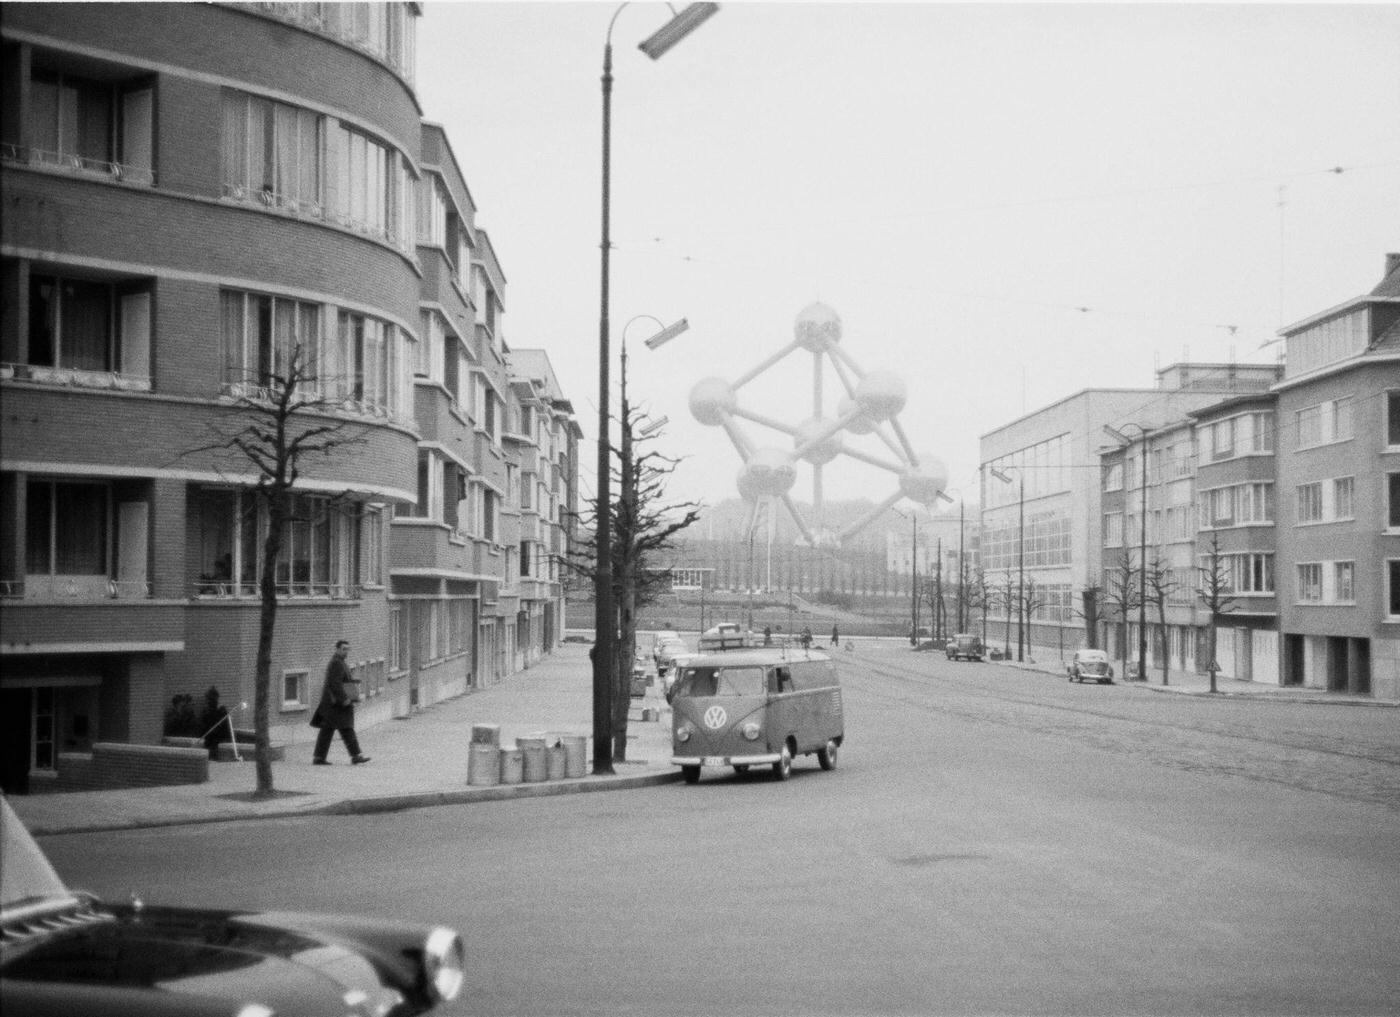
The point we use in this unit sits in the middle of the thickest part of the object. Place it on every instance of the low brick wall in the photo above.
(117, 765)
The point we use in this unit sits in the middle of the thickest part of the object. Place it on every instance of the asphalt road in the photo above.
(991, 842)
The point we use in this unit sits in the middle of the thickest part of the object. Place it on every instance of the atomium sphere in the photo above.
(769, 472)
(881, 395)
(817, 328)
(825, 450)
(860, 423)
(711, 400)
(923, 482)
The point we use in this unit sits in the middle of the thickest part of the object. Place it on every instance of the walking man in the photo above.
(336, 711)
(835, 636)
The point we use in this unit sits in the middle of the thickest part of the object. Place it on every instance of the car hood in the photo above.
(159, 960)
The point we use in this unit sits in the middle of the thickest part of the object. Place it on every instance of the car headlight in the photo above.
(444, 963)
(683, 733)
(751, 731)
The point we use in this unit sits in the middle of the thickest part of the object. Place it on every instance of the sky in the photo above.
(1004, 204)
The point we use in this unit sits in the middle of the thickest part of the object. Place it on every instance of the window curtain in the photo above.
(85, 325)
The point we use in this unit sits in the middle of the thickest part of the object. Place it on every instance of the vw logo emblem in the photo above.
(715, 718)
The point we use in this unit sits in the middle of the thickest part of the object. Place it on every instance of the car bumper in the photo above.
(747, 760)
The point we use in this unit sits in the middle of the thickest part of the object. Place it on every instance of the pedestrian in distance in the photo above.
(767, 635)
(806, 636)
(835, 636)
(336, 711)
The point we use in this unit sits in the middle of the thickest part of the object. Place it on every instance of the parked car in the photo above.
(65, 953)
(965, 646)
(666, 651)
(1090, 665)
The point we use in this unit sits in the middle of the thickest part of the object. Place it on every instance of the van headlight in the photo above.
(683, 733)
(444, 963)
(751, 731)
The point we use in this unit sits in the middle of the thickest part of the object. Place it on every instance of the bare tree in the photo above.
(643, 527)
(979, 596)
(1032, 599)
(1160, 586)
(1006, 597)
(1121, 595)
(1214, 593)
(276, 427)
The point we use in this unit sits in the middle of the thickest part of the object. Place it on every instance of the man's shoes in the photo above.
(320, 762)
(360, 759)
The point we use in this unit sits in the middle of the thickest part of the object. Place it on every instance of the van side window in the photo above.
(784, 680)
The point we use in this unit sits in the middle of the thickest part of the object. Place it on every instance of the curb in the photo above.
(385, 803)
(1270, 697)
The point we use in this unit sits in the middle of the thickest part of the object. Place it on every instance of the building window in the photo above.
(87, 326)
(1310, 503)
(320, 555)
(273, 154)
(1309, 425)
(68, 528)
(1343, 505)
(1343, 574)
(260, 334)
(294, 690)
(372, 545)
(1310, 583)
(1392, 419)
(1262, 432)
(1222, 439)
(1392, 588)
(91, 126)
(1325, 423)
(363, 365)
(1252, 573)
(1113, 477)
(1113, 529)
(1339, 418)
(1392, 488)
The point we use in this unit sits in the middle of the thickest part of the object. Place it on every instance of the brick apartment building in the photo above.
(179, 218)
(1297, 497)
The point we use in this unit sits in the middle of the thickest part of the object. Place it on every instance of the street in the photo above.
(992, 841)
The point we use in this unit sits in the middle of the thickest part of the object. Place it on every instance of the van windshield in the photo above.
(705, 682)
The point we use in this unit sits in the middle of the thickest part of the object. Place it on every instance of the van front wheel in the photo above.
(827, 755)
(782, 769)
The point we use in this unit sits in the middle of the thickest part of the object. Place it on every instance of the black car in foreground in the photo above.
(65, 953)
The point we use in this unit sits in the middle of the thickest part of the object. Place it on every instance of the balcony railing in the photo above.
(75, 377)
(86, 588)
(217, 589)
(77, 164)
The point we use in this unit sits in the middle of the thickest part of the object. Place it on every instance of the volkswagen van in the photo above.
(751, 707)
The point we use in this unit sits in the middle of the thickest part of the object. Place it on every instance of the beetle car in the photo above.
(751, 707)
(64, 953)
(1090, 665)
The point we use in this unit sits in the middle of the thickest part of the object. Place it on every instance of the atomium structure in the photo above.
(869, 410)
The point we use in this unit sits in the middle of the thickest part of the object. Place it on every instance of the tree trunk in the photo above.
(626, 656)
(267, 622)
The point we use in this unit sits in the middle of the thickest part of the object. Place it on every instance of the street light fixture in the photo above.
(605, 613)
(1020, 553)
(1126, 443)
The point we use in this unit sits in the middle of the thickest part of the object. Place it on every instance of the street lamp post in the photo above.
(605, 613)
(1020, 555)
(1142, 547)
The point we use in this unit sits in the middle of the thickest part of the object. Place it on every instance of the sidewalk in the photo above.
(1183, 684)
(418, 761)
